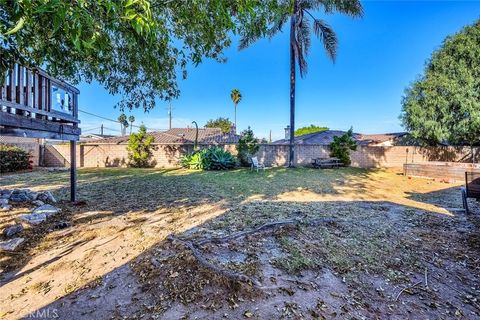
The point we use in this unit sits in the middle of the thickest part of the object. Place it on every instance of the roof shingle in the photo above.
(182, 136)
(326, 138)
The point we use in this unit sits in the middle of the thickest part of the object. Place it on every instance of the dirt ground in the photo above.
(359, 244)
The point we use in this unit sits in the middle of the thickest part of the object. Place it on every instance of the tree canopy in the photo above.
(223, 123)
(341, 146)
(443, 105)
(136, 48)
(310, 129)
(247, 146)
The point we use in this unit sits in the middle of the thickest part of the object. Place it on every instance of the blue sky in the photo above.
(378, 57)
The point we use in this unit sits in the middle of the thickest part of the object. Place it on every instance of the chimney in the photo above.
(287, 133)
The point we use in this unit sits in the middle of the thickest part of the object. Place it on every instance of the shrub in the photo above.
(214, 158)
(247, 146)
(13, 158)
(341, 146)
(140, 147)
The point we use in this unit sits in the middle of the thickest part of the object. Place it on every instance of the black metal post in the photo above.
(73, 170)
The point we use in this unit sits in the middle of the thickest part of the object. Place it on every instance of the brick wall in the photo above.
(115, 155)
(167, 156)
(30, 145)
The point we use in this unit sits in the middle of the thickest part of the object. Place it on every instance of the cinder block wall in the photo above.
(30, 145)
(167, 156)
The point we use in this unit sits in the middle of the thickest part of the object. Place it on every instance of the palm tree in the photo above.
(236, 98)
(123, 123)
(131, 119)
(300, 14)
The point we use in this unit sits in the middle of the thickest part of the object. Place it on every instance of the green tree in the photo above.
(123, 123)
(341, 146)
(236, 97)
(131, 119)
(311, 129)
(247, 146)
(140, 149)
(302, 21)
(223, 123)
(136, 48)
(443, 105)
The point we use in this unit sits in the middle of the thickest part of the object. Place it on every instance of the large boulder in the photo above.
(12, 230)
(11, 244)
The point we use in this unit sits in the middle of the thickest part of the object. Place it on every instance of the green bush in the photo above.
(213, 158)
(140, 149)
(247, 146)
(13, 158)
(341, 146)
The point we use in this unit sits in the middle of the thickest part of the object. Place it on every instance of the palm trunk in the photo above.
(291, 160)
(235, 107)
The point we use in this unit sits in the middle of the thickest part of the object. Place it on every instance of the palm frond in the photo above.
(328, 37)
(351, 8)
(277, 26)
(303, 43)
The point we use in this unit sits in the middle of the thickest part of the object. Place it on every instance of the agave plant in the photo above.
(214, 158)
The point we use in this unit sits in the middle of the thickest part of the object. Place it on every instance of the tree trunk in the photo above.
(235, 107)
(291, 159)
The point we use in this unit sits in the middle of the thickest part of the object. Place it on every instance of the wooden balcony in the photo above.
(34, 104)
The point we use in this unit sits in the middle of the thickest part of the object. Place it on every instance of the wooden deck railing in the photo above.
(31, 99)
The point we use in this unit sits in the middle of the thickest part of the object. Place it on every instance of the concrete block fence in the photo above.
(167, 156)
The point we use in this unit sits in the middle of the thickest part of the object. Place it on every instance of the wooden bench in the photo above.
(320, 163)
(471, 189)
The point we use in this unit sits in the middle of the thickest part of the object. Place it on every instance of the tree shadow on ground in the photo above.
(371, 261)
(158, 196)
(449, 198)
(129, 212)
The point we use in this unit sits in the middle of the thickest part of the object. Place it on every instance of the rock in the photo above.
(42, 196)
(11, 244)
(50, 197)
(46, 197)
(38, 203)
(32, 195)
(33, 218)
(12, 230)
(62, 225)
(47, 209)
(19, 197)
(5, 194)
(5, 208)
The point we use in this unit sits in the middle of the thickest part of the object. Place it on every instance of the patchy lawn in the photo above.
(353, 244)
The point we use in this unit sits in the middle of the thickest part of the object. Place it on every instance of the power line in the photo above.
(116, 121)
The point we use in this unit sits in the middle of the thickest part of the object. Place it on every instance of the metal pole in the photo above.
(73, 170)
(196, 135)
